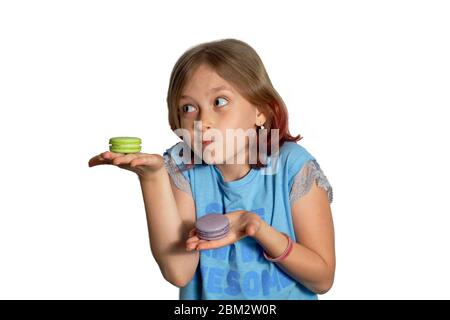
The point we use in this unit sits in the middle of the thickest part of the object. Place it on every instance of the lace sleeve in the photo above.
(303, 180)
(177, 177)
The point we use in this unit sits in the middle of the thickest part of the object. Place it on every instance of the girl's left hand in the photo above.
(242, 223)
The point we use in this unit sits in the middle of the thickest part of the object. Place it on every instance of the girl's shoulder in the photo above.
(303, 170)
(293, 156)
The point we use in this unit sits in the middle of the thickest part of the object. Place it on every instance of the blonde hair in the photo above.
(239, 64)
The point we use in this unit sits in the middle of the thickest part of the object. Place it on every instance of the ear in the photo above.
(260, 117)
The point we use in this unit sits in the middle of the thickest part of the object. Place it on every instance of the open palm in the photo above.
(242, 223)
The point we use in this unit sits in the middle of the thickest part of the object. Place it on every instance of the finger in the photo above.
(200, 242)
(98, 160)
(124, 159)
(143, 160)
(212, 244)
(111, 155)
(192, 232)
(193, 244)
(103, 158)
(192, 239)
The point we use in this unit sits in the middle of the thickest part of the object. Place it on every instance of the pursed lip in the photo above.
(206, 142)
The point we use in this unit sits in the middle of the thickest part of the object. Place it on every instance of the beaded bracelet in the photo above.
(284, 254)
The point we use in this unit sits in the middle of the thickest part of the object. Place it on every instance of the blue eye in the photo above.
(221, 98)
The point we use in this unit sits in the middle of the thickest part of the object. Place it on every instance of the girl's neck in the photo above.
(232, 172)
(235, 170)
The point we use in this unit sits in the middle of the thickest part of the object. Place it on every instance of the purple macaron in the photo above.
(212, 226)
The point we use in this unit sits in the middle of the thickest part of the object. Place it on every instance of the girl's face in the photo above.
(211, 107)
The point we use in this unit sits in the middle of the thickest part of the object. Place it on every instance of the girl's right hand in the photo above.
(143, 164)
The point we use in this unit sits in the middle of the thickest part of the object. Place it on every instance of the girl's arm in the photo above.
(170, 214)
(312, 260)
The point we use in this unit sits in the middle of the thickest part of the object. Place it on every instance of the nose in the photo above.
(202, 127)
(204, 122)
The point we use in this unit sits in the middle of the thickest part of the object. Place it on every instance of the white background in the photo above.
(366, 84)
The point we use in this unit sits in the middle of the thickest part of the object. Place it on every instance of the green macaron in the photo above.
(125, 144)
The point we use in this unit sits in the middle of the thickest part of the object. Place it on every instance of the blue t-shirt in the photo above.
(239, 270)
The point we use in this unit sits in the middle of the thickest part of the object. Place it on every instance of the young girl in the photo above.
(281, 239)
